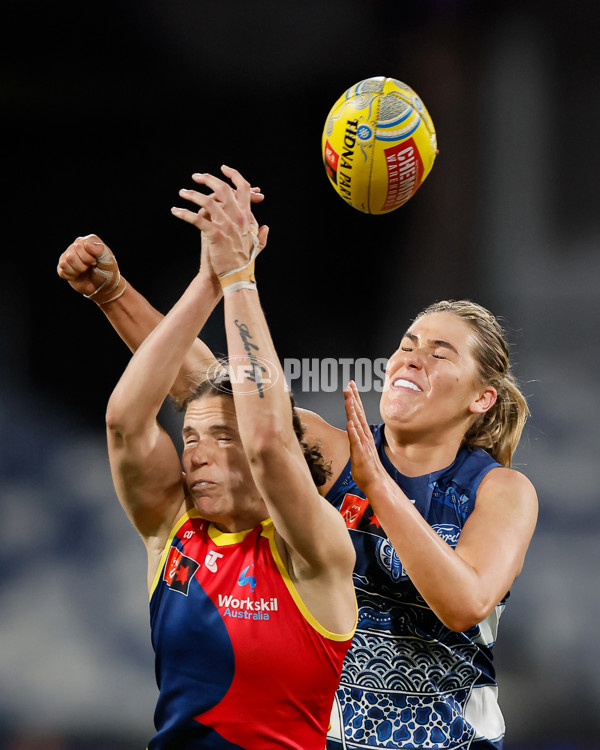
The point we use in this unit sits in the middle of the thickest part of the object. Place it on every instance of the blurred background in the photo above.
(106, 110)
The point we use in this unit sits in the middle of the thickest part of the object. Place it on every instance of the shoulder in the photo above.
(500, 476)
(504, 517)
(473, 463)
(332, 441)
(318, 427)
(510, 486)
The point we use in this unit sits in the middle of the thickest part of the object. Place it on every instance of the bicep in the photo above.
(497, 534)
(146, 472)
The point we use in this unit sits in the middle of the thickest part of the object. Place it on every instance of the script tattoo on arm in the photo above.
(255, 372)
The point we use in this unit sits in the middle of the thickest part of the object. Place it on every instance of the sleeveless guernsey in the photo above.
(240, 662)
(408, 681)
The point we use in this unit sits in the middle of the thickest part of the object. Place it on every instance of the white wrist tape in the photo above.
(113, 285)
(239, 285)
(242, 277)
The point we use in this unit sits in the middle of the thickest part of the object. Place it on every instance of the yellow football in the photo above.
(378, 144)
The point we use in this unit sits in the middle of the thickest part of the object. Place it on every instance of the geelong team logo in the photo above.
(389, 560)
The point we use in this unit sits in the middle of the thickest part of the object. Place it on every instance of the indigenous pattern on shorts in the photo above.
(408, 681)
(240, 662)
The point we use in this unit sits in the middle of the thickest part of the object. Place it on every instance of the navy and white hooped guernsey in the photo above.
(407, 680)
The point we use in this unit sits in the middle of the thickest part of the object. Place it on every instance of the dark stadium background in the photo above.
(106, 110)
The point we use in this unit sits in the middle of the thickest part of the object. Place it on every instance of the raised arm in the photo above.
(92, 270)
(312, 530)
(145, 464)
(462, 585)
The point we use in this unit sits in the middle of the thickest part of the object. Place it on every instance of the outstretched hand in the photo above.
(230, 233)
(365, 461)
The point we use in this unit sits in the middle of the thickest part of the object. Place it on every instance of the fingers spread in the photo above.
(255, 195)
(222, 191)
(199, 219)
(243, 189)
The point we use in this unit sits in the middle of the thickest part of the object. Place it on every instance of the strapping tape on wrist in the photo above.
(242, 277)
(113, 285)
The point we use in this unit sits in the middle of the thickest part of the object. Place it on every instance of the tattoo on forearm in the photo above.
(256, 370)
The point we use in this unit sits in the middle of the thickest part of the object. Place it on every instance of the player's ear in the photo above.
(484, 401)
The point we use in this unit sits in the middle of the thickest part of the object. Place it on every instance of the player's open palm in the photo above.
(366, 465)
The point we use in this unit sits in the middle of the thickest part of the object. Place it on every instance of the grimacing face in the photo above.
(217, 473)
(432, 383)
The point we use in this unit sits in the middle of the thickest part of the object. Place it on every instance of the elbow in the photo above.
(465, 617)
(115, 417)
(459, 623)
(112, 418)
(125, 419)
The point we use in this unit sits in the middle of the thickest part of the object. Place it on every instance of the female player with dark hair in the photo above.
(252, 606)
(439, 521)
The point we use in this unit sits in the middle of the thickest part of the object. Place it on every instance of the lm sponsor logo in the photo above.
(448, 532)
(248, 609)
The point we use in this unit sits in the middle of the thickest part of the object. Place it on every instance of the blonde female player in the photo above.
(439, 521)
(440, 539)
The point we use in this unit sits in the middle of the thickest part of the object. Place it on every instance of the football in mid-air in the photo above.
(378, 144)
